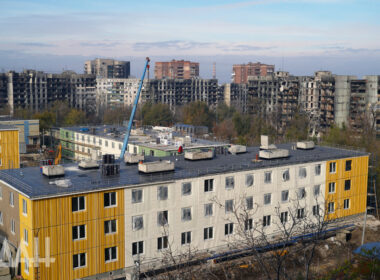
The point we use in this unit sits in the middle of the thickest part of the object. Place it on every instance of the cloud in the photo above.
(36, 44)
(174, 44)
(100, 44)
(242, 48)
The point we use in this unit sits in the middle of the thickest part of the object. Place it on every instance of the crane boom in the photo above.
(126, 138)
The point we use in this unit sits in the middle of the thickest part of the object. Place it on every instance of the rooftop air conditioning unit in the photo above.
(156, 166)
(133, 158)
(88, 164)
(305, 145)
(237, 149)
(198, 155)
(53, 171)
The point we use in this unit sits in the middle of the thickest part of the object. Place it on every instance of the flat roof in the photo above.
(147, 140)
(7, 127)
(33, 184)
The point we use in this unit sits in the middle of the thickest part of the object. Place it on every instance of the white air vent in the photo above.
(88, 164)
(305, 145)
(237, 149)
(272, 154)
(197, 155)
(133, 158)
(265, 143)
(156, 166)
(53, 170)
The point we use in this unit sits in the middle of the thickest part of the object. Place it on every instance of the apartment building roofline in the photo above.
(34, 185)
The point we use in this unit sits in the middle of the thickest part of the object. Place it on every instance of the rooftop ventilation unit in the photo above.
(198, 155)
(156, 166)
(305, 145)
(270, 151)
(133, 158)
(88, 164)
(64, 183)
(237, 149)
(109, 167)
(53, 171)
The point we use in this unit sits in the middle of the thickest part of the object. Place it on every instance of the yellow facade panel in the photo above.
(9, 149)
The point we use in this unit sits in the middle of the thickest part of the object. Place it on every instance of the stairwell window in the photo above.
(318, 169)
(78, 204)
(346, 204)
(286, 175)
(230, 182)
(162, 218)
(229, 206)
(186, 189)
(332, 167)
(26, 236)
(267, 198)
(301, 193)
(137, 196)
(186, 214)
(268, 177)
(24, 207)
(347, 185)
(13, 226)
(162, 193)
(11, 199)
(208, 209)
(348, 165)
(137, 223)
(249, 180)
(285, 196)
(302, 172)
(249, 202)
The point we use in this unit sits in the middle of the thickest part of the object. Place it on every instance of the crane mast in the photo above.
(126, 138)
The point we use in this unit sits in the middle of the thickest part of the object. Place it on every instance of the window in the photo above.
(11, 199)
(138, 247)
(26, 265)
(83, 138)
(186, 237)
(348, 165)
(110, 199)
(79, 260)
(266, 221)
(228, 228)
(120, 146)
(110, 254)
(13, 226)
(162, 218)
(137, 222)
(106, 143)
(209, 185)
(268, 177)
(286, 175)
(332, 167)
(284, 217)
(137, 196)
(78, 203)
(1, 193)
(301, 193)
(229, 205)
(162, 193)
(248, 224)
(207, 233)
(317, 190)
(230, 182)
(249, 180)
(249, 202)
(331, 207)
(318, 169)
(267, 198)
(284, 196)
(302, 172)
(186, 214)
(26, 236)
(347, 185)
(332, 187)
(316, 210)
(100, 141)
(208, 209)
(162, 242)
(24, 207)
(301, 213)
(79, 232)
(1, 218)
(186, 188)
(113, 145)
(110, 226)
(346, 204)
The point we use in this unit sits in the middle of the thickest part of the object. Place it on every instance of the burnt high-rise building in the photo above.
(241, 72)
(108, 68)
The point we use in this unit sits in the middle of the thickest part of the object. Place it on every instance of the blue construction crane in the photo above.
(126, 138)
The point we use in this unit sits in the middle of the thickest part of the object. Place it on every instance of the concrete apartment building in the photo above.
(241, 72)
(236, 95)
(113, 93)
(274, 97)
(100, 224)
(178, 92)
(35, 90)
(92, 142)
(176, 69)
(108, 68)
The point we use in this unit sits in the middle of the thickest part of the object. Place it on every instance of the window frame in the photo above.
(135, 225)
(286, 175)
(24, 207)
(329, 210)
(349, 166)
(228, 229)
(78, 229)
(110, 254)
(135, 199)
(317, 169)
(332, 167)
(162, 218)
(284, 217)
(302, 172)
(229, 206)
(79, 257)
(229, 182)
(162, 243)
(267, 177)
(109, 224)
(246, 180)
(162, 193)
(208, 233)
(186, 238)
(184, 191)
(78, 204)
(248, 224)
(332, 187)
(110, 194)
(347, 188)
(266, 220)
(139, 248)
(183, 211)
(266, 202)
(346, 204)
(208, 185)
(207, 211)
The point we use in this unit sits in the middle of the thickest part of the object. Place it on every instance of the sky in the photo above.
(299, 36)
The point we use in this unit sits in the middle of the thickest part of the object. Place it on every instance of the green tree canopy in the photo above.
(198, 113)
(157, 114)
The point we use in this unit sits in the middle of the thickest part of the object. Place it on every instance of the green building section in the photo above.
(67, 141)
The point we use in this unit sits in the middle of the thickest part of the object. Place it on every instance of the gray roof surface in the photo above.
(7, 127)
(32, 183)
